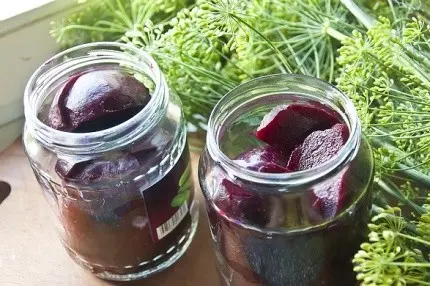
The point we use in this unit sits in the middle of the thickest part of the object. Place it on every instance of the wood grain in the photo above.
(31, 253)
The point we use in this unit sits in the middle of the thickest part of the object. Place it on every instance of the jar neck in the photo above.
(57, 70)
(272, 89)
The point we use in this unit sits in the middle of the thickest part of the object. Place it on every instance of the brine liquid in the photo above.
(319, 256)
(127, 229)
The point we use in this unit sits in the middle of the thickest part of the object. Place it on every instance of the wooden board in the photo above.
(31, 253)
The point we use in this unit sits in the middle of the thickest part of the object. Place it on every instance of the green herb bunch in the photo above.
(378, 52)
(386, 72)
(109, 20)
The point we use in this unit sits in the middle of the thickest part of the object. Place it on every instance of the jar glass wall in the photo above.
(286, 228)
(119, 179)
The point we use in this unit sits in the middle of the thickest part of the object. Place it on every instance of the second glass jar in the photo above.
(273, 228)
(123, 195)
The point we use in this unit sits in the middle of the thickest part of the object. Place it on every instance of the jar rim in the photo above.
(95, 53)
(287, 180)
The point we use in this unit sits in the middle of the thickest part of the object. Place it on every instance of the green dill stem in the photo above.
(414, 59)
(275, 49)
(362, 17)
(416, 239)
(393, 12)
(414, 174)
(416, 55)
(335, 34)
(210, 74)
(410, 264)
(417, 282)
(396, 193)
(91, 28)
(408, 226)
(407, 170)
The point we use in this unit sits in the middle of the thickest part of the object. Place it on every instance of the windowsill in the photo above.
(23, 13)
(18, 7)
(25, 44)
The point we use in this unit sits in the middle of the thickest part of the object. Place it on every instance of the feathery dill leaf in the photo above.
(387, 75)
(109, 20)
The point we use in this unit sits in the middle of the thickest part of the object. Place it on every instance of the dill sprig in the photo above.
(394, 254)
(386, 72)
(109, 20)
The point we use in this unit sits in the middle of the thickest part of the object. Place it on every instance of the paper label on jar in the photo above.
(167, 201)
(173, 222)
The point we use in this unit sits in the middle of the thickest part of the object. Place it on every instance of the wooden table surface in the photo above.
(31, 253)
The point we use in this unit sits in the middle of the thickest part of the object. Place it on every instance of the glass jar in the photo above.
(268, 228)
(123, 196)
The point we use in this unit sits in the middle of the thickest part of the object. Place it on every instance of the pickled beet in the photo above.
(308, 135)
(286, 126)
(100, 96)
(264, 159)
(116, 221)
(242, 204)
(318, 147)
(95, 101)
(96, 170)
(330, 197)
(58, 115)
(246, 205)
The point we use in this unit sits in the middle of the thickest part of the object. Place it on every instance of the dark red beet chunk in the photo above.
(95, 101)
(264, 159)
(318, 147)
(96, 95)
(96, 170)
(331, 197)
(58, 116)
(240, 203)
(287, 126)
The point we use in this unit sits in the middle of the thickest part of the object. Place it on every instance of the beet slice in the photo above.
(286, 126)
(318, 147)
(107, 121)
(97, 170)
(94, 96)
(58, 115)
(244, 205)
(264, 159)
(330, 197)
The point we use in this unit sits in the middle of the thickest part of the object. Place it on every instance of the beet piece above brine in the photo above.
(97, 170)
(96, 97)
(287, 126)
(265, 159)
(329, 197)
(318, 147)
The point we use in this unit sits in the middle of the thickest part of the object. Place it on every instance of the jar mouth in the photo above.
(285, 84)
(88, 56)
